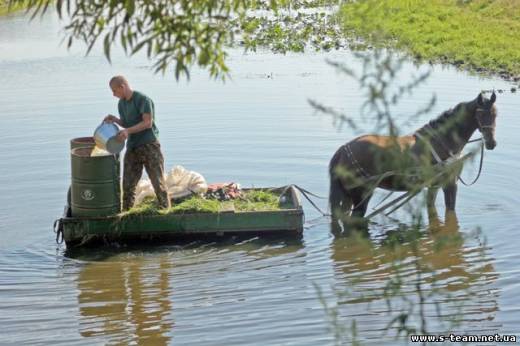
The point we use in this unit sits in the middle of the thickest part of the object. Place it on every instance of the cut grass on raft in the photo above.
(255, 200)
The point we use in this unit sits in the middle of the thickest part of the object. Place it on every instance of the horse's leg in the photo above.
(360, 199)
(450, 195)
(451, 220)
(339, 203)
(431, 195)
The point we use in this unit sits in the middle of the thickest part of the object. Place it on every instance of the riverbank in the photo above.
(4, 8)
(478, 35)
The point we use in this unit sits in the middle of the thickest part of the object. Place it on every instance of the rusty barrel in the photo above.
(82, 142)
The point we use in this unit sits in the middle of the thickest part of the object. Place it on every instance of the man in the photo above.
(137, 117)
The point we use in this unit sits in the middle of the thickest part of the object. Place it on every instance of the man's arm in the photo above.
(146, 123)
(113, 119)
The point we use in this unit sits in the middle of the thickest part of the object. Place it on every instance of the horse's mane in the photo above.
(440, 121)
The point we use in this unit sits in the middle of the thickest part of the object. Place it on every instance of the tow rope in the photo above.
(58, 229)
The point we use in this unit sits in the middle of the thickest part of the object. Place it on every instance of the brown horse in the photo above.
(399, 163)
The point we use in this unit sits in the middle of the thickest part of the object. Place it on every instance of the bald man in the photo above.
(137, 117)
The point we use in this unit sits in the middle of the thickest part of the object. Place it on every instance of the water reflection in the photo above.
(437, 276)
(128, 297)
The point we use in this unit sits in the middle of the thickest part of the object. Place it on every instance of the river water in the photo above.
(256, 129)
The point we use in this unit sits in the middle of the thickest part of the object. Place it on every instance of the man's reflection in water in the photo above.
(455, 274)
(126, 300)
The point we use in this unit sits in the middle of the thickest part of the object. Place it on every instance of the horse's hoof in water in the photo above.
(355, 223)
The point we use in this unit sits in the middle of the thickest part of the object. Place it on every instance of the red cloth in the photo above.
(230, 189)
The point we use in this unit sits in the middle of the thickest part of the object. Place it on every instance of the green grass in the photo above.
(479, 35)
(4, 8)
(254, 200)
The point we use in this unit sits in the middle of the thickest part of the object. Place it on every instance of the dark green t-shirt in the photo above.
(131, 113)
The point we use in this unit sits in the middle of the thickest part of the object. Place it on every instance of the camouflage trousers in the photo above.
(150, 157)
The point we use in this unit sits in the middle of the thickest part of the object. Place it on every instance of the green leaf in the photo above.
(130, 7)
(203, 57)
(140, 45)
(106, 47)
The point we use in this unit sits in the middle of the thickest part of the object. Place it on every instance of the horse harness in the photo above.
(362, 173)
(451, 155)
(455, 156)
(357, 167)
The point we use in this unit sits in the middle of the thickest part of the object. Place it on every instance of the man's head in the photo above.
(120, 87)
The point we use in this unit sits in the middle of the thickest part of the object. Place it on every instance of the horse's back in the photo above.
(369, 156)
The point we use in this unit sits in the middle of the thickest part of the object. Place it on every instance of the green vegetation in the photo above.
(254, 200)
(257, 200)
(189, 33)
(291, 31)
(4, 8)
(480, 35)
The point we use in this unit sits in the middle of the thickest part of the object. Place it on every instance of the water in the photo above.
(257, 129)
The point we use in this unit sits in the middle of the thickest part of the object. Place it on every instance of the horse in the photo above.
(399, 163)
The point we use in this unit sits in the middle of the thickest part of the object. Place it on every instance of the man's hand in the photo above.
(110, 119)
(122, 135)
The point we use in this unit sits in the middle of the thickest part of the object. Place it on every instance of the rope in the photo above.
(58, 229)
(308, 192)
(305, 193)
(479, 168)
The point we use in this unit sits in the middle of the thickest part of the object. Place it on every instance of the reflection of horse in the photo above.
(393, 163)
(439, 255)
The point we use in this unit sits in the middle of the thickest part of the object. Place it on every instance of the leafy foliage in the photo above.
(184, 33)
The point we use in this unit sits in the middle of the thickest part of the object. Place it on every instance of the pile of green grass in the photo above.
(479, 35)
(255, 200)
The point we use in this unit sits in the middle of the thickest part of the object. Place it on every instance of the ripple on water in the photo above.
(256, 131)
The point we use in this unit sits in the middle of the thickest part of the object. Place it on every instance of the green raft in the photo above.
(121, 228)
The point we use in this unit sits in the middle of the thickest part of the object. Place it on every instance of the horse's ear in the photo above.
(493, 97)
(479, 99)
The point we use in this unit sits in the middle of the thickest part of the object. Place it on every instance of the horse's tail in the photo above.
(337, 193)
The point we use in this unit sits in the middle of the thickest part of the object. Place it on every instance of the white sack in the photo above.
(180, 182)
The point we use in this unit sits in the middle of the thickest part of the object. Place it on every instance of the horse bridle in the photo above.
(478, 111)
(439, 161)
(480, 127)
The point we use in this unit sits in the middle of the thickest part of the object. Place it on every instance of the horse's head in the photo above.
(486, 114)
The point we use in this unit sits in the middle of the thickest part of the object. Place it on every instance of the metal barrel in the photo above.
(95, 189)
(82, 142)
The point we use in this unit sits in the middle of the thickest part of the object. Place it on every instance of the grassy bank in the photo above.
(479, 35)
(4, 8)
